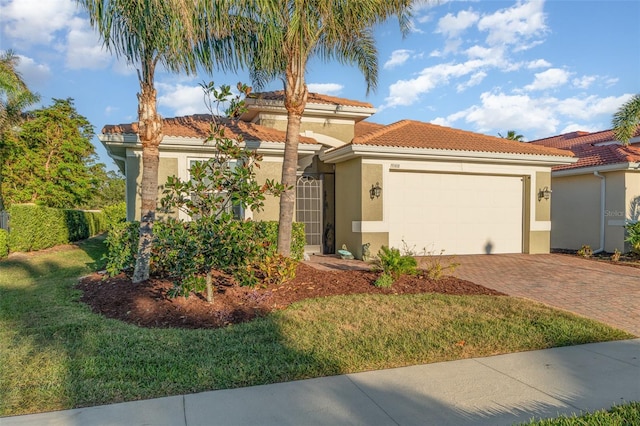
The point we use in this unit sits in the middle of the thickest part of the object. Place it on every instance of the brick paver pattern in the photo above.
(605, 292)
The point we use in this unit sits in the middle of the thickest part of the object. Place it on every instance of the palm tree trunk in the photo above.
(150, 133)
(295, 102)
(289, 177)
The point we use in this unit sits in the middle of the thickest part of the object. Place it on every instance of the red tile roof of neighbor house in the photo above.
(592, 149)
(312, 98)
(198, 126)
(416, 134)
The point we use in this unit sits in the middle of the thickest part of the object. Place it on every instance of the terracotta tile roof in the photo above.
(592, 149)
(312, 98)
(364, 127)
(416, 134)
(198, 126)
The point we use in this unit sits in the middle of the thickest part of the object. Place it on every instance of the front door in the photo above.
(309, 211)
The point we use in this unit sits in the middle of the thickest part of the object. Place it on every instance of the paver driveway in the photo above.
(602, 291)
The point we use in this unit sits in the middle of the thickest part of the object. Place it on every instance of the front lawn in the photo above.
(620, 415)
(57, 354)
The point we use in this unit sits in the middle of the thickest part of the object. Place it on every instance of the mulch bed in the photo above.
(626, 259)
(148, 305)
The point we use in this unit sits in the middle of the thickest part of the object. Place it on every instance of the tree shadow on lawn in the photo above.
(60, 355)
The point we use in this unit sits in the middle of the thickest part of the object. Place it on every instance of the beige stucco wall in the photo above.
(167, 166)
(372, 209)
(576, 209)
(615, 211)
(538, 242)
(269, 170)
(543, 207)
(354, 204)
(133, 176)
(632, 185)
(575, 212)
(335, 128)
(348, 206)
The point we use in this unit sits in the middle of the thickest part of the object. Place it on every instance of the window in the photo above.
(235, 209)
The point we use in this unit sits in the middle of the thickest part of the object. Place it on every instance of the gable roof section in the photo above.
(198, 127)
(364, 127)
(312, 98)
(416, 134)
(593, 149)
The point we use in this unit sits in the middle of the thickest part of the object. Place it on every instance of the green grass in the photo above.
(621, 415)
(56, 354)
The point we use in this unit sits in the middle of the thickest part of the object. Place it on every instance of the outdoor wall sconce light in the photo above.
(375, 191)
(544, 193)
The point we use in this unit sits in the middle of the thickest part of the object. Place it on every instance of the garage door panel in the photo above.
(462, 214)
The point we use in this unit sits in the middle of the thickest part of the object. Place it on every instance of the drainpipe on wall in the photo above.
(602, 201)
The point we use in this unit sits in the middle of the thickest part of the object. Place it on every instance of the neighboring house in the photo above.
(409, 184)
(594, 198)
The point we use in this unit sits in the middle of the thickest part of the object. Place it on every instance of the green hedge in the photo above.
(34, 227)
(4, 243)
(178, 246)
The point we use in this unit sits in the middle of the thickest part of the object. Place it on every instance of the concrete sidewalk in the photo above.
(498, 390)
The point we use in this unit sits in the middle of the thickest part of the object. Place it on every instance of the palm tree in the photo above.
(626, 120)
(15, 96)
(179, 35)
(512, 135)
(293, 31)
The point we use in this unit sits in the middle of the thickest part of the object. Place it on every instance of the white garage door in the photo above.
(462, 214)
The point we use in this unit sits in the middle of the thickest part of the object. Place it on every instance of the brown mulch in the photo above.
(148, 305)
(626, 259)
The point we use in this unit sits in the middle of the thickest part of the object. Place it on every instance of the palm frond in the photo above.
(626, 120)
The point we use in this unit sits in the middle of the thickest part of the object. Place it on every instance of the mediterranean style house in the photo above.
(408, 184)
(598, 195)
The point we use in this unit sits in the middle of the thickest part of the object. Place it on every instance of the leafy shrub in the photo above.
(183, 251)
(633, 236)
(277, 269)
(585, 251)
(384, 280)
(391, 262)
(37, 227)
(122, 247)
(4, 243)
(114, 214)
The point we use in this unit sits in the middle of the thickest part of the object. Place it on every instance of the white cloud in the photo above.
(514, 25)
(553, 77)
(332, 89)
(398, 57)
(33, 73)
(585, 81)
(536, 117)
(538, 63)
(574, 127)
(589, 107)
(473, 81)
(181, 99)
(84, 48)
(407, 92)
(452, 26)
(31, 22)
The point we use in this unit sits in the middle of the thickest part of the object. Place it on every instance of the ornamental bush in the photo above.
(633, 236)
(394, 264)
(184, 250)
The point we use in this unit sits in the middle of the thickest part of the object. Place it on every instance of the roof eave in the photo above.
(631, 166)
(350, 151)
(117, 144)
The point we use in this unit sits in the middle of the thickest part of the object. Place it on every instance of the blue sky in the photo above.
(538, 67)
